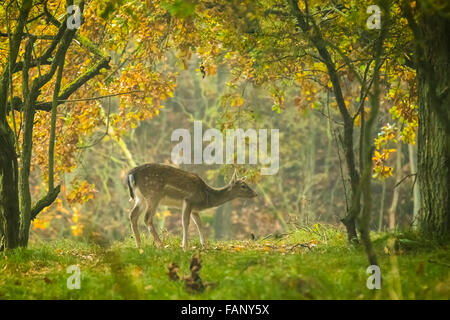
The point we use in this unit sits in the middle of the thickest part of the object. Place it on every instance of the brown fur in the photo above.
(157, 184)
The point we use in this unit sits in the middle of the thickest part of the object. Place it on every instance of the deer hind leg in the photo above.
(198, 223)
(134, 216)
(152, 205)
(187, 207)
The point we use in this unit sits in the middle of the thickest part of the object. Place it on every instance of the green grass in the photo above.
(262, 269)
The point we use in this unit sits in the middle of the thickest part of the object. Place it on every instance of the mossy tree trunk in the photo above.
(16, 209)
(432, 55)
(433, 162)
(9, 199)
(9, 169)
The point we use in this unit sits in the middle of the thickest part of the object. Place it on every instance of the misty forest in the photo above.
(224, 149)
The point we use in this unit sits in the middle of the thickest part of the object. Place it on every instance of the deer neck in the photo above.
(218, 196)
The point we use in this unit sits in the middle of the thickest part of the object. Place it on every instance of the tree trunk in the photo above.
(412, 150)
(433, 170)
(316, 39)
(381, 212)
(16, 211)
(9, 200)
(433, 74)
(24, 184)
(27, 148)
(222, 218)
(9, 171)
(396, 192)
(367, 146)
(222, 222)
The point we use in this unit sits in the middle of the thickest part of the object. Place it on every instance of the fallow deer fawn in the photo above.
(153, 184)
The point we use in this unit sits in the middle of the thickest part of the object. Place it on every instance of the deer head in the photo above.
(240, 189)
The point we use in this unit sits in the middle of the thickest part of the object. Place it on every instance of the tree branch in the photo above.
(44, 202)
(14, 51)
(76, 84)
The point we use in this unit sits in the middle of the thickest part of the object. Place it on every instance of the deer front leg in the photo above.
(198, 223)
(187, 207)
(134, 215)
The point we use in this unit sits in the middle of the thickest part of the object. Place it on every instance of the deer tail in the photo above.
(131, 183)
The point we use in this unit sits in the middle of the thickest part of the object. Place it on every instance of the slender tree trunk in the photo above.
(347, 142)
(349, 220)
(367, 146)
(380, 217)
(222, 222)
(412, 150)
(219, 218)
(222, 219)
(308, 181)
(27, 148)
(396, 192)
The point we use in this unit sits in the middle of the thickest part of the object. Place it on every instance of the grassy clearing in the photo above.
(307, 264)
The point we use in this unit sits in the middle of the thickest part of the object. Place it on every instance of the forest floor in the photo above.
(314, 263)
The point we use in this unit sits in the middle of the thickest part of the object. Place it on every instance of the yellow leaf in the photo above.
(237, 101)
